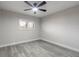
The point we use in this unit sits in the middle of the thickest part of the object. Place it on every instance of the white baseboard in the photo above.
(20, 42)
(65, 46)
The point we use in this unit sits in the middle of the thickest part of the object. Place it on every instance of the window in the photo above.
(30, 25)
(22, 23)
(26, 25)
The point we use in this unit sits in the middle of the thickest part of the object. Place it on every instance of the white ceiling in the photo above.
(51, 6)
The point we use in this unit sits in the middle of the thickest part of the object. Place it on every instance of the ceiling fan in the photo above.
(35, 6)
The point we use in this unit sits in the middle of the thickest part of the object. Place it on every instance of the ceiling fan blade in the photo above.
(27, 9)
(28, 3)
(43, 10)
(42, 3)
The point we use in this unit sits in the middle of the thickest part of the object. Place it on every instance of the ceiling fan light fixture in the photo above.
(35, 9)
(35, 6)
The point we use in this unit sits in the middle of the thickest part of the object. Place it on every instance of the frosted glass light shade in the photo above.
(35, 9)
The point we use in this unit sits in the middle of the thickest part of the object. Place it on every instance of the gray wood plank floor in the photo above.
(37, 48)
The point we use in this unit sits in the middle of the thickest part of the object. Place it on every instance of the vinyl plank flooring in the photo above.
(58, 51)
(37, 48)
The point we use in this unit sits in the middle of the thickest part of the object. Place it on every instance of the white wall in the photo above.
(0, 25)
(9, 28)
(62, 27)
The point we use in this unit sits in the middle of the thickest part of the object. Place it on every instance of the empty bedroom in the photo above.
(39, 28)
